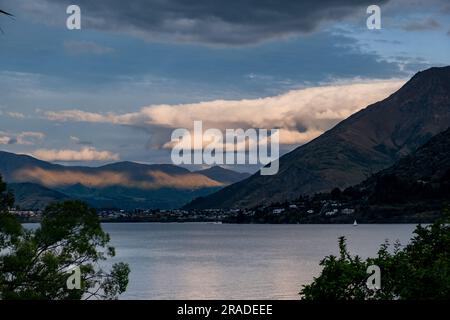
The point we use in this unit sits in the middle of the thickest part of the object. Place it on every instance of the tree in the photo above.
(5, 13)
(37, 264)
(336, 194)
(9, 227)
(420, 270)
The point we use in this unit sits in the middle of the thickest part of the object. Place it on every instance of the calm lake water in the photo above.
(211, 261)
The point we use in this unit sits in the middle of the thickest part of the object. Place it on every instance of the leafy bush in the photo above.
(419, 271)
(34, 264)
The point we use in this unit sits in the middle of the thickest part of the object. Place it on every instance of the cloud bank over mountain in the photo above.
(301, 115)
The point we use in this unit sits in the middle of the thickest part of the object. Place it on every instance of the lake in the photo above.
(225, 261)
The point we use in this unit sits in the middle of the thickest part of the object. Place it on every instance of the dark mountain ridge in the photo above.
(423, 175)
(219, 173)
(366, 142)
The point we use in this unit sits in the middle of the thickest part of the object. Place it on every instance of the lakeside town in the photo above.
(334, 207)
(295, 212)
(292, 212)
(302, 211)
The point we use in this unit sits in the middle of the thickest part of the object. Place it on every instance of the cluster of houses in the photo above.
(162, 215)
(26, 214)
(331, 208)
(327, 208)
(324, 207)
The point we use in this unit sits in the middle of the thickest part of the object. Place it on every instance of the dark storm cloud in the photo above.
(232, 22)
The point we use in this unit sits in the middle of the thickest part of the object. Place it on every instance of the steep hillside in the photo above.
(368, 141)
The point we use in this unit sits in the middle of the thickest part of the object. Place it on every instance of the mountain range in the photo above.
(416, 189)
(368, 141)
(124, 185)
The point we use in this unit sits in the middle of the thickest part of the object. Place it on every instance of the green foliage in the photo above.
(420, 270)
(10, 228)
(34, 264)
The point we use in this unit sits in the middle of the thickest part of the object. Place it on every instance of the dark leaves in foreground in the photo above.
(34, 263)
(418, 271)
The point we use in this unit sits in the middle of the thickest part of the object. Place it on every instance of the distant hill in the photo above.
(33, 196)
(124, 185)
(365, 143)
(423, 175)
(223, 175)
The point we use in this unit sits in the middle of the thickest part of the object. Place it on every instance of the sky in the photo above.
(136, 70)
